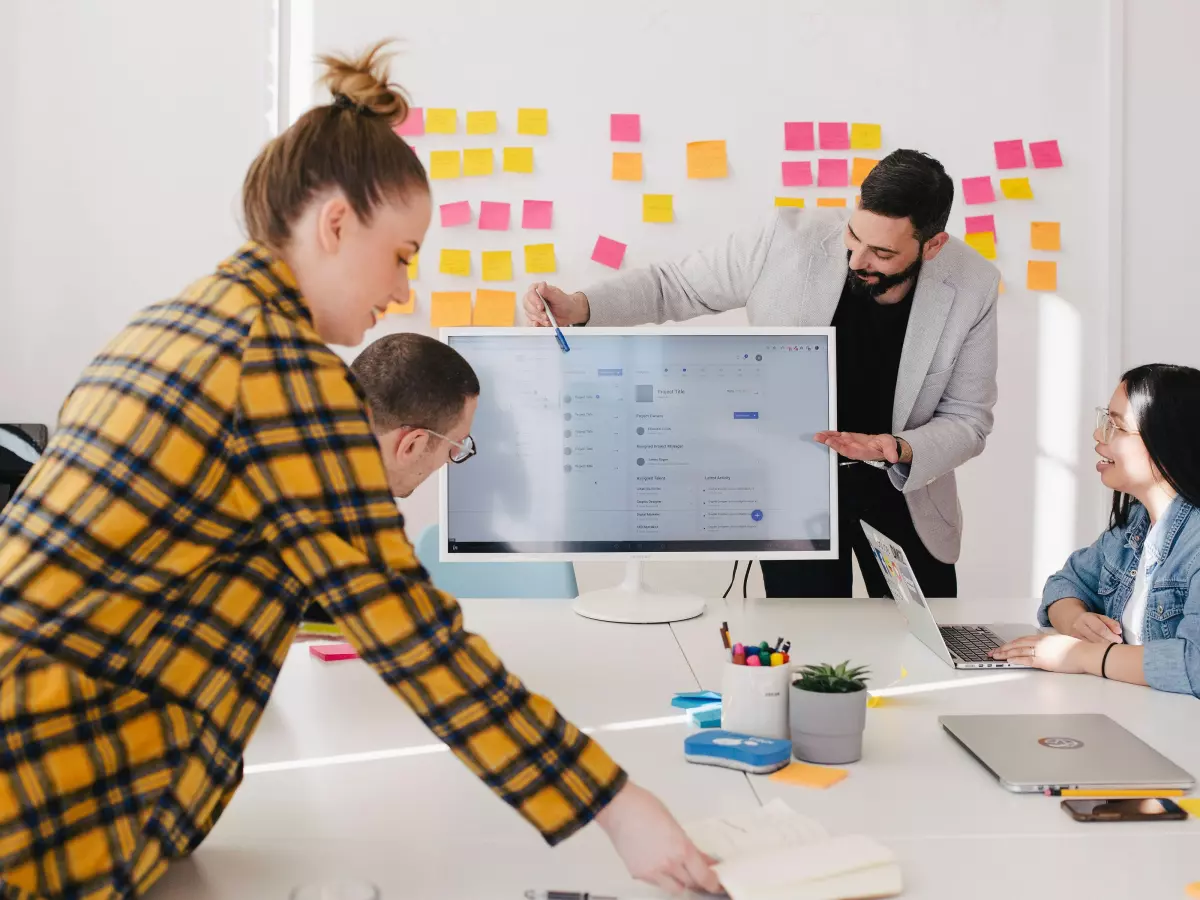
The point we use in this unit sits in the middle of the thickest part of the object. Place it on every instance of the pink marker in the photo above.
(738, 648)
(753, 661)
(333, 652)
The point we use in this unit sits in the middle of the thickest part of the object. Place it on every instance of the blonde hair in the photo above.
(348, 144)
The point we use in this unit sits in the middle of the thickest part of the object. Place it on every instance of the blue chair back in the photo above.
(534, 580)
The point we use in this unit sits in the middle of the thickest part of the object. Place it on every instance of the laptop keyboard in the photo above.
(970, 643)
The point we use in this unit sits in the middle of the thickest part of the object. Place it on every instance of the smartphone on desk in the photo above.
(1141, 809)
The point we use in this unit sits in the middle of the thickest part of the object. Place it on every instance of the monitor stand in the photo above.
(633, 602)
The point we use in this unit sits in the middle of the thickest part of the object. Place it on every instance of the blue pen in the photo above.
(562, 341)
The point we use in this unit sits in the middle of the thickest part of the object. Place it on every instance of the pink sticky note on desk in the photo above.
(333, 652)
(608, 252)
(978, 190)
(833, 173)
(455, 213)
(1045, 154)
(797, 174)
(1010, 154)
(537, 213)
(980, 224)
(413, 124)
(625, 127)
(834, 135)
(798, 136)
(494, 216)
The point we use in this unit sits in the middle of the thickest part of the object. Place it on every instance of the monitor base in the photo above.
(632, 602)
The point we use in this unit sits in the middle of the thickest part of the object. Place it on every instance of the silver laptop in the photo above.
(961, 646)
(1034, 753)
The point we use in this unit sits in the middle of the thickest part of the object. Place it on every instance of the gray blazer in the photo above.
(791, 272)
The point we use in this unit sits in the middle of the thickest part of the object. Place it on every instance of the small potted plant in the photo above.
(828, 712)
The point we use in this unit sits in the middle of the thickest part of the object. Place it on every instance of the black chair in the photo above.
(14, 466)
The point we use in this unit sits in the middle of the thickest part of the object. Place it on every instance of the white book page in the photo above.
(767, 828)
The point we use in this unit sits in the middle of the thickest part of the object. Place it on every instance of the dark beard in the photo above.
(877, 289)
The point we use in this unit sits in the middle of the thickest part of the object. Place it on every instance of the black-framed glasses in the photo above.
(463, 450)
(1107, 425)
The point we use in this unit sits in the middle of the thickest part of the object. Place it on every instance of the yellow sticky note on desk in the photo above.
(861, 169)
(1042, 276)
(497, 265)
(445, 164)
(518, 159)
(658, 208)
(1045, 235)
(627, 167)
(539, 259)
(414, 267)
(865, 137)
(455, 262)
(804, 775)
(441, 121)
(403, 309)
(495, 307)
(531, 121)
(479, 161)
(1016, 188)
(707, 159)
(1191, 805)
(483, 122)
(984, 242)
(449, 309)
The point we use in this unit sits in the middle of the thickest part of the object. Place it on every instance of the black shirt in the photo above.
(870, 338)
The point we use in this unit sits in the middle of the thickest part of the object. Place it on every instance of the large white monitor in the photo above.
(646, 443)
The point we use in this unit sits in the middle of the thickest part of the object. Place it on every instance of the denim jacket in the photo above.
(1103, 574)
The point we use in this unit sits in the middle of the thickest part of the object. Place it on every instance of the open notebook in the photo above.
(774, 853)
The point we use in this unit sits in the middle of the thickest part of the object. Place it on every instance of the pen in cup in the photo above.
(558, 335)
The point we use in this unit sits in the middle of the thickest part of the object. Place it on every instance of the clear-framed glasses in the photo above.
(463, 450)
(1107, 425)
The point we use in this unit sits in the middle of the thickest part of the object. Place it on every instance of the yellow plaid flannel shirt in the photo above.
(213, 472)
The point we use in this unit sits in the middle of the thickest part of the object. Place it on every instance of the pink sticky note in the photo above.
(537, 213)
(625, 127)
(980, 224)
(455, 213)
(493, 216)
(798, 136)
(413, 124)
(1045, 154)
(834, 135)
(608, 252)
(833, 173)
(332, 652)
(1010, 154)
(978, 190)
(797, 174)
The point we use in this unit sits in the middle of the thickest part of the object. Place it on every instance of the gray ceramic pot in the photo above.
(827, 728)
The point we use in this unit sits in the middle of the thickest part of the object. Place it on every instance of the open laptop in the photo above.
(961, 646)
(1038, 753)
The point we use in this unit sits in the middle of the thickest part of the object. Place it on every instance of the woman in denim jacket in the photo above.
(1128, 606)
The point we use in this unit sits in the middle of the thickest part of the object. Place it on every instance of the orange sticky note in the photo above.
(1001, 289)
(862, 168)
(1016, 188)
(479, 161)
(984, 242)
(658, 208)
(1045, 236)
(706, 159)
(627, 167)
(445, 164)
(497, 265)
(449, 309)
(403, 309)
(804, 775)
(530, 121)
(441, 121)
(483, 122)
(1043, 275)
(831, 201)
(539, 259)
(518, 159)
(455, 262)
(413, 267)
(865, 137)
(495, 307)
(790, 201)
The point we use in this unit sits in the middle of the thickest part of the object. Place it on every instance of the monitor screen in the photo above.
(646, 442)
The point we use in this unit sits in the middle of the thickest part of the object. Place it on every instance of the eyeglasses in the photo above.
(464, 449)
(1107, 425)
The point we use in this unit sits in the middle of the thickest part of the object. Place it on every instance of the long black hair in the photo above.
(1164, 403)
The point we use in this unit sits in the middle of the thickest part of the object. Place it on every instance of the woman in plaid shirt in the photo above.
(213, 472)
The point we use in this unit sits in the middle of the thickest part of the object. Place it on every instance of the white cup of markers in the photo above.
(754, 688)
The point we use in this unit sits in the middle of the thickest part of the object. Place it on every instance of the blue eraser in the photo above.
(705, 716)
(737, 751)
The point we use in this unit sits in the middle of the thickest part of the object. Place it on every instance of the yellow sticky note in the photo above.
(865, 137)
(790, 201)
(1043, 275)
(455, 262)
(478, 122)
(1001, 289)
(445, 164)
(403, 309)
(532, 121)
(658, 208)
(1016, 188)
(495, 307)
(874, 702)
(539, 259)
(413, 267)
(706, 159)
(861, 169)
(449, 309)
(1191, 805)
(803, 774)
(480, 161)
(1045, 236)
(831, 201)
(518, 159)
(984, 242)
(627, 167)
(497, 265)
(441, 121)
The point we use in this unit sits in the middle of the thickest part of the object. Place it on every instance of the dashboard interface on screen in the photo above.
(644, 442)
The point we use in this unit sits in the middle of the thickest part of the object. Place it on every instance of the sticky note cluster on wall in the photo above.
(453, 309)
(833, 172)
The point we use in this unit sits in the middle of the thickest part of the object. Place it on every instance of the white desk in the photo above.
(421, 826)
